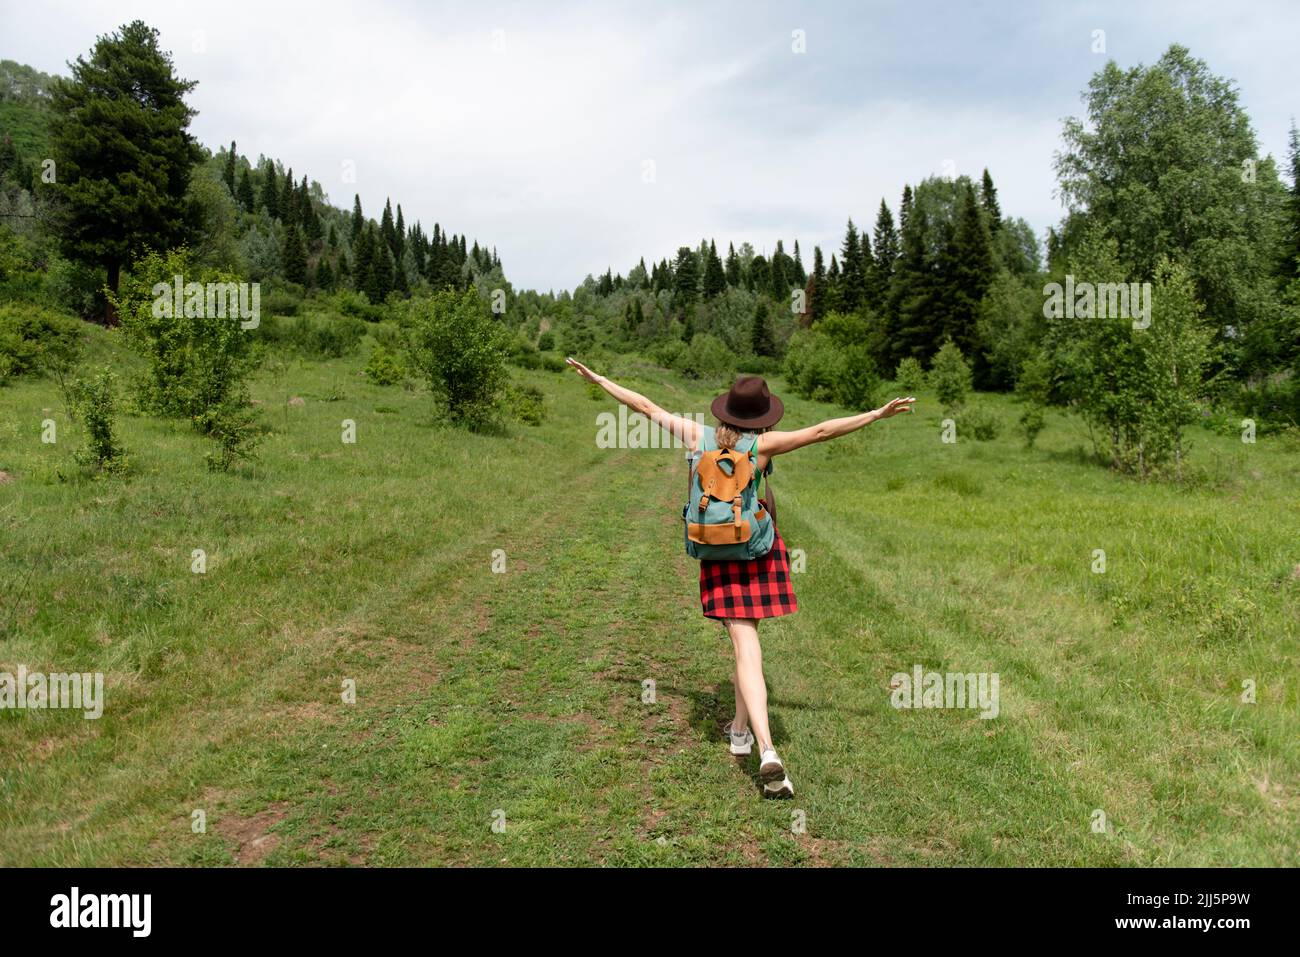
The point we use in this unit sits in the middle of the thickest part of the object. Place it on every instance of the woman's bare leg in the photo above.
(750, 687)
(741, 721)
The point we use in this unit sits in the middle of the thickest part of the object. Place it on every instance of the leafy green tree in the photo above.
(119, 134)
(761, 341)
(461, 350)
(1166, 164)
(950, 376)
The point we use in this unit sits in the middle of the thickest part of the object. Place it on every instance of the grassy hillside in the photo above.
(519, 695)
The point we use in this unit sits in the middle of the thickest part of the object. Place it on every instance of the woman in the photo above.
(740, 593)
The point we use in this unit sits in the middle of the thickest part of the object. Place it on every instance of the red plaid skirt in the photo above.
(748, 589)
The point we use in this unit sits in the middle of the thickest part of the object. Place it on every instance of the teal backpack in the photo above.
(723, 516)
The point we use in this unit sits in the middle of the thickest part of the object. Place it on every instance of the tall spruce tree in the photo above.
(294, 255)
(270, 190)
(358, 218)
(972, 274)
(686, 279)
(288, 198)
(816, 306)
(733, 271)
(119, 134)
(851, 290)
(228, 173)
(885, 256)
(989, 202)
(244, 193)
(715, 279)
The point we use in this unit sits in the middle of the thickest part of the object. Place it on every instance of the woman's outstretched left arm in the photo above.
(682, 428)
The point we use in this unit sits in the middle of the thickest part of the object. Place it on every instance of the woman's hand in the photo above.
(895, 406)
(582, 370)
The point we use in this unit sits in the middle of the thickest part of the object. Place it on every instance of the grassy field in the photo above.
(517, 697)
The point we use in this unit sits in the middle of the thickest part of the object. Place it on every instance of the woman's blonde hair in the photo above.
(728, 435)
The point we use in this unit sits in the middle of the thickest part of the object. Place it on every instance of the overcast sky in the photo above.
(535, 127)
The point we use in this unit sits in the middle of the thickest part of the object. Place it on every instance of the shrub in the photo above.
(980, 422)
(824, 370)
(546, 341)
(234, 427)
(668, 353)
(707, 357)
(36, 341)
(950, 376)
(910, 377)
(384, 368)
(1031, 423)
(526, 403)
(461, 350)
(326, 337)
(198, 365)
(92, 403)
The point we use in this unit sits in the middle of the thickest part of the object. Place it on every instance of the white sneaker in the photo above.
(741, 743)
(770, 767)
(779, 789)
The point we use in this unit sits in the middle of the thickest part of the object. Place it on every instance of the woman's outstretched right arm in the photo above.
(682, 428)
(775, 443)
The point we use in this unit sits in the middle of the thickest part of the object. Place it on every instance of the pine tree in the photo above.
(363, 257)
(686, 282)
(386, 228)
(989, 202)
(732, 271)
(270, 191)
(760, 275)
(324, 274)
(972, 273)
(852, 285)
(912, 335)
(800, 277)
(358, 219)
(244, 194)
(294, 256)
(399, 235)
(228, 174)
(127, 92)
(381, 271)
(1291, 226)
(885, 255)
(288, 198)
(816, 305)
(715, 279)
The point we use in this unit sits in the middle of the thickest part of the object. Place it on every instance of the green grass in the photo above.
(521, 692)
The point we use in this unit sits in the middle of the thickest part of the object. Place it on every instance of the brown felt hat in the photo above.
(748, 404)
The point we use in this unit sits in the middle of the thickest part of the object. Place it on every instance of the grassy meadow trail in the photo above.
(516, 697)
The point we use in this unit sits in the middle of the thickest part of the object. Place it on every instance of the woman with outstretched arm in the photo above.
(739, 592)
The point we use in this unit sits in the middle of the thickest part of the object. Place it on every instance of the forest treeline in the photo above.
(102, 185)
